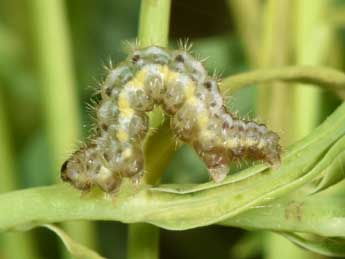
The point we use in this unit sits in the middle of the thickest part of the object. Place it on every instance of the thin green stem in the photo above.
(276, 49)
(15, 245)
(310, 26)
(158, 149)
(57, 78)
(329, 78)
(7, 180)
(247, 15)
(58, 90)
(154, 30)
(143, 239)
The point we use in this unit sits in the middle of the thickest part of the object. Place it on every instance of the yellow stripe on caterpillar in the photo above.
(203, 119)
(122, 136)
(127, 153)
(139, 79)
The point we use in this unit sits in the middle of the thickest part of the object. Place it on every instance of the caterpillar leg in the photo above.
(107, 180)
(219, 173)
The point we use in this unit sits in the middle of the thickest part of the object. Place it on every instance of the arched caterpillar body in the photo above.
(180, 84)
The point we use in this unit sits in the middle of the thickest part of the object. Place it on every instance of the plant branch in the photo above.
(247, 14)
(328, 78)
(143, 239)
(154, 22)
(58, 91)
(177, 207)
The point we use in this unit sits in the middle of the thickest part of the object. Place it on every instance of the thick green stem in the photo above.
(58, 90)
(154, 22)
(143, 239)
(275, 100)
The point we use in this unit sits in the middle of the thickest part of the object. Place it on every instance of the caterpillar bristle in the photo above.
(130, 46)
(203, 60)
(185, 44)
(217, 75)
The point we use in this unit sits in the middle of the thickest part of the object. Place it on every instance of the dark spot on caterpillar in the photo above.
(135, 58)
(179, 58)
(88, 165)
(98, 168)
(108, 91)
(92, 145)
(106, 157)
(104, 127)
(208, 85)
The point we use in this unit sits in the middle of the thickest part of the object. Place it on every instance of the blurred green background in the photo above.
(47, 68)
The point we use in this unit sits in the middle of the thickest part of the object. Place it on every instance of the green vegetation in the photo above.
(281, 58)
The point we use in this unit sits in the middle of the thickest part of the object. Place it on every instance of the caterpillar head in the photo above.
(83, 171)
(149, 55)
(72, 172)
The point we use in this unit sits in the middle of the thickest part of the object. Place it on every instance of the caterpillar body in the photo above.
(179, 83)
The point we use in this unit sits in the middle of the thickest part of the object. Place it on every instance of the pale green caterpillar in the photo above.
(180, 84)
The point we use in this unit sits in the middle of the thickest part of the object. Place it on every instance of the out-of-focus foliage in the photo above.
(98, 30)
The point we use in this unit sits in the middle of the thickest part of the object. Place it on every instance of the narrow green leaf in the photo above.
(325, 246)
(333, 174)
(76, 249)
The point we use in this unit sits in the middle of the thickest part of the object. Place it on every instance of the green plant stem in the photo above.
(58, 91)
(7, 180)
(247, 14)
(154, 22)
(310, 26)
(158, 150)
(172, 209)
(329, 78)
(143, 239)
(276, 48)
(56, 73)
(144, 242)
(275, 100)
(14, 245)
(279, 247)
(294, 215)
(180, 207)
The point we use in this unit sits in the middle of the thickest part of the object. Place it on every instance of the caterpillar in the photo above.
(179, 83)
